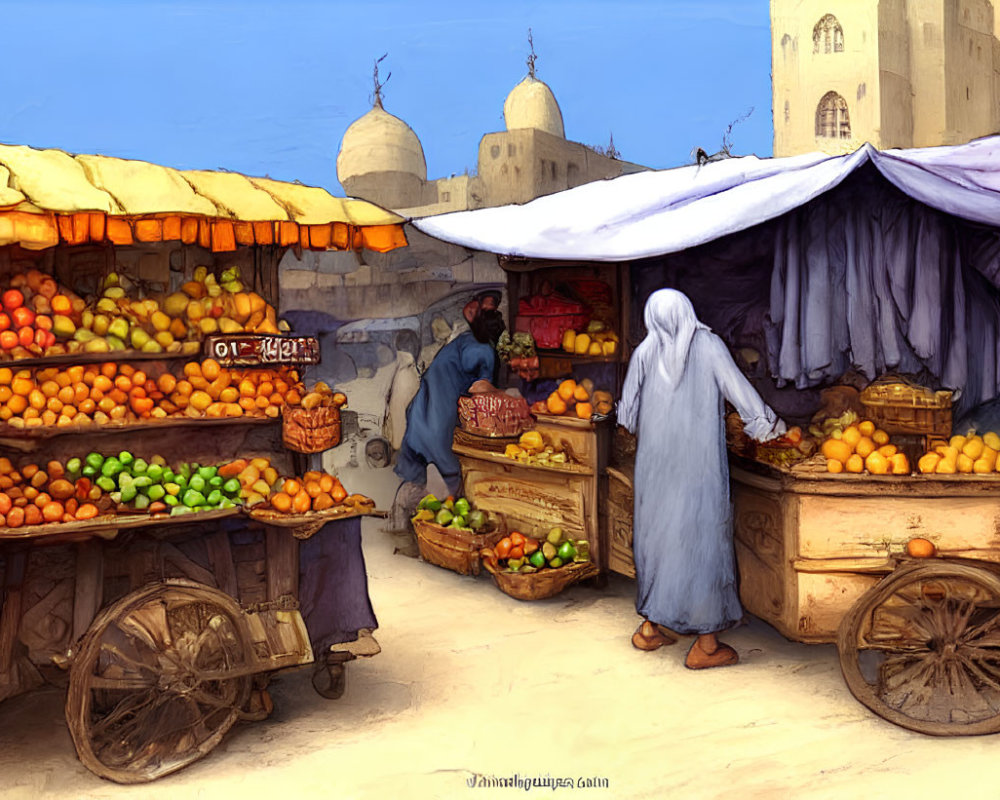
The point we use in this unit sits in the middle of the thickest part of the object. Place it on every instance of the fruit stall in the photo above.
(537, 460)
(164, 545)
(858, 293)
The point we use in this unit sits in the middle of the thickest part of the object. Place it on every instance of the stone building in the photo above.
(896, 73)
(381, 317)
(381, 159)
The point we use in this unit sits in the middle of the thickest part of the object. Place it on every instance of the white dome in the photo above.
(531, 104)
(380, 142)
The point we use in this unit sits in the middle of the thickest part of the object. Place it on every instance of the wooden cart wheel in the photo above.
(922, 648)
(152, 686)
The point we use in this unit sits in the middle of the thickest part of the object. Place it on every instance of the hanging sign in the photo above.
(253, 349)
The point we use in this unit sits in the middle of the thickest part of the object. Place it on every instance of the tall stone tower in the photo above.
(896, 73)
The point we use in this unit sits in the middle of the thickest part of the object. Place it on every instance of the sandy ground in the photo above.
(475, 686)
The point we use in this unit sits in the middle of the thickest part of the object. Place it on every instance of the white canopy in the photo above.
(653, 213)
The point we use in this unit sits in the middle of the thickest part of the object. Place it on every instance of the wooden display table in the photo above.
(534, 498)
(809, 543)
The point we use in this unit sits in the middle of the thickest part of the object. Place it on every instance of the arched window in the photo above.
(828, 36)
(832, 119)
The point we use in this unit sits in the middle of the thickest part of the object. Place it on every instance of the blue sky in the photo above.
(270, 87)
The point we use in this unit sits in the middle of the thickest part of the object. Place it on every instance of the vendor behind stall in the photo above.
(465, 365)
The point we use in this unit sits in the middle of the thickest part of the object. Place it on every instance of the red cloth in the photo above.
(547, 317)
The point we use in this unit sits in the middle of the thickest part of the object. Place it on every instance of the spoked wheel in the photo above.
(922, 649)
(157, 681)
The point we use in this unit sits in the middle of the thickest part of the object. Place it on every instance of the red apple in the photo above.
(12, 299)
(22, 316)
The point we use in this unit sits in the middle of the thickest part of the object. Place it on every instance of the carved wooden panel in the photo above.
(835, 527)
(823, 600)
(47, 603)
(762, 586)
(530, 501)
(618, 525)
(758, 523)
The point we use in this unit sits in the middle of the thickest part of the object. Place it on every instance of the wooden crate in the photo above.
(616, 516)
(533, 498)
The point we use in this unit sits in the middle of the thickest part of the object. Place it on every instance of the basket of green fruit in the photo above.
(530, 568)
(450, 533)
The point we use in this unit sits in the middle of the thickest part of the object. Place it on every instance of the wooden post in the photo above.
(10, 615)
(282, 563)
(223, 565)
(89, 591)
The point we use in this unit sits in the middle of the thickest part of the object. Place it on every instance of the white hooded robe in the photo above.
(673, 399)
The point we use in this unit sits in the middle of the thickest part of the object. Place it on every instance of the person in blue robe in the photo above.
(677, 381)
(466, 365)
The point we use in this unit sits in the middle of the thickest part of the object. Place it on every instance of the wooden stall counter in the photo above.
(534, 498)
(809, 543)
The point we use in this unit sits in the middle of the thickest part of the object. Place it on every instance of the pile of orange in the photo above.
(863, 447)
(962, 454)
(210, 390)
(577, 400)
(76, 395)
(33, 495)
(120, 392)
(316, 491)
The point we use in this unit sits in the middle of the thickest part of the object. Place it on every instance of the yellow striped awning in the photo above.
(50, 197)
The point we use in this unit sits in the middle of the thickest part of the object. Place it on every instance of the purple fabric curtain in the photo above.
(333, 585)
(873, 281)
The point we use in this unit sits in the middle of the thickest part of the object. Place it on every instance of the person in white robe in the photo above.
(677, 381)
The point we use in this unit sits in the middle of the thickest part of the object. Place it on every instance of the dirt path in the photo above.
(474, 685)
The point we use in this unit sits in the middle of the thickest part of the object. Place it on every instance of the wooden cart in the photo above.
(167, 628)
(822, 558)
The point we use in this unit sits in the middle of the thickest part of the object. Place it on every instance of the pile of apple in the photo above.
(527, 554)
(175, 324)
(39, 317)
(36, 314)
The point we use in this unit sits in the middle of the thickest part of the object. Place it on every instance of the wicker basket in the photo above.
(541, 584)
(310, 431)
(453, 548)
(899, 406)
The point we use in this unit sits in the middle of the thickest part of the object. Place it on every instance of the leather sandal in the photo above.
(723, 656)
(649, 637)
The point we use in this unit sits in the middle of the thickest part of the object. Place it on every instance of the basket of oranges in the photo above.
(313, 425)
(533, 568)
